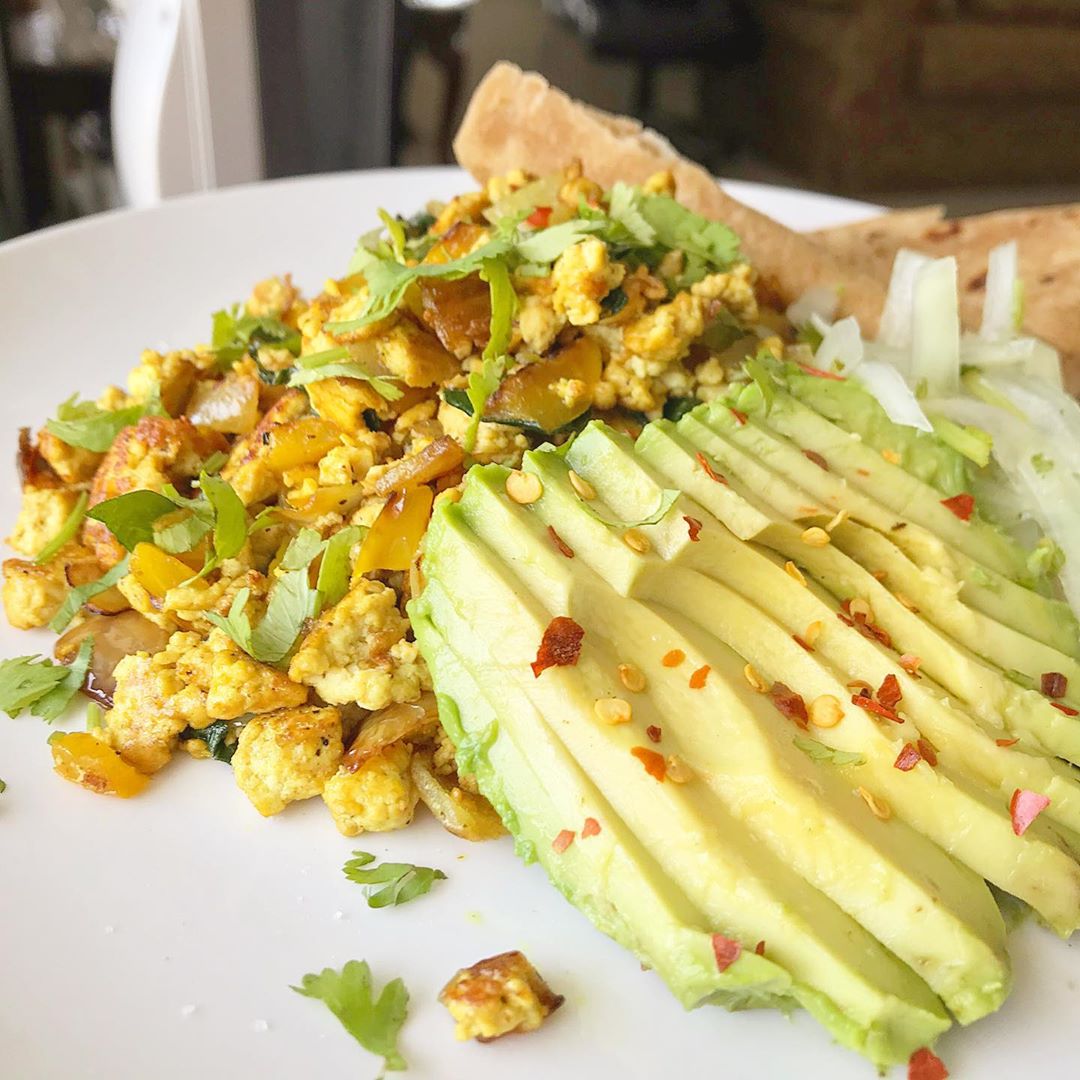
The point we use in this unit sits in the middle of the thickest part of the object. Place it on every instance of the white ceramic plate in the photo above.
(157, 939)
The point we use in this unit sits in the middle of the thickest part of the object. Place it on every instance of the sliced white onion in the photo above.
(935, 330)
(841, 348)
(1000, 308)
(893, 394)
(820, 300)
(897, 314)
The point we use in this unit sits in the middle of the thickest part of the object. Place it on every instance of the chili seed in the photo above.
(523, 488)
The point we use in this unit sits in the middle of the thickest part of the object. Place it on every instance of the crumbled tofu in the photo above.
(664, 335)
(240, 685)
(538, 322)
(287, 755)
(344, 402)
(190, 602)
(660, 183)
(172, 374)
(150, 454)
(498, 187)
(246, 469)
(734, 289)
(33, 594)
(494, 442)
(357, 652)
(467, 207)
(41, 514)
(272, 297)
(72, 464)
(377, 797)
(351, 462)
(498, 996)
(582, 277)
(414, 356)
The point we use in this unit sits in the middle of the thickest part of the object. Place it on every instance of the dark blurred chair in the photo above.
(715, 36)
(434, 27)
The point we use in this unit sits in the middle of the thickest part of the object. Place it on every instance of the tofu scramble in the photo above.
(226, 547)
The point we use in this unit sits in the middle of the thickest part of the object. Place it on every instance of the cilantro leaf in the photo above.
(67, 531)
(234, 334)
(303, 548)
(338, 363)
(625, 209)
(667, 500)
(292, 602)
(349, 995)
(90, 427)
(709, 245)
(230, 517)
(483, 383)
(333, 582)
(546, 245)
(396, 229)
(235, 622)
(820, 752)
(43, 687)
(401, 882)
(183, 535)
(130, 517)
(78, 596)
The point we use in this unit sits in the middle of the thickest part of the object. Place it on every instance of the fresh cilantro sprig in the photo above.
(401, 882)
(78, 596)
(338, 363)
(235, 334)
(817, 751)
(67, 531)
(88, 426)
(373, 1022)
(40, 685)
(216, 737)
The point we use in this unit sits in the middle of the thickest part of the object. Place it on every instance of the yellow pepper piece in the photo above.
(392, 541)
(301, 442)
(156, 571)
(84, 759)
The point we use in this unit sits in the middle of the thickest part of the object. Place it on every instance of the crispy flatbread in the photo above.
(517, 120)
(1049, 247)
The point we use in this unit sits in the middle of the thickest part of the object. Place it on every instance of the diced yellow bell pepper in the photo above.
(156, 571)
(392, 541)
(84, 759)
(301, 442)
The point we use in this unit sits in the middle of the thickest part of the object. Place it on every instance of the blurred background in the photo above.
(971, 103)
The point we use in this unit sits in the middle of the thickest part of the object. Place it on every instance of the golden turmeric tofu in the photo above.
(72, 464)
(582, 276)
(287, 755)
(41, 514)
(414, 356)
(377, 796)
(357, 652)
(33, 594)
(498, 996)
(238, 684)
(171, 374)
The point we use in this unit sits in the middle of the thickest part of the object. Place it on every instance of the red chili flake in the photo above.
(726, 950)
(673, 658)
(871, 631)
(789, 703)
(844, 619)
(804, 644)
(817, 459)
(928, 751)
(924, 1064)
(740, 417)
(560, 646)
(590, 828)
(1065, 709)
(889, 693)
(563, 547)
(1024, 808)
(697, 678)
(911, 663)
(863, 472)
(654, 733)
(654, 763)
(759, 948)
(808, 369)
(1006, 742)
(875, 707)
(962, 505)
(1054, 684)
(908, 758)
(693, 527)
(562, 841)
(539, 218)
(710, 472)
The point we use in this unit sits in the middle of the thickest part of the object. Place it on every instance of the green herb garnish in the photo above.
(337, 363)
(40, 685)
(820, 752)
(78, 596)
(333, 581)
(349, 995)
(1042, 464)
(67, 530)
(216, 737)
(401, 882)
(90, 427)
(130, 517)
(234, 334)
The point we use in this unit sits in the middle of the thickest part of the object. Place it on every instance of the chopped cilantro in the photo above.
(349, 995)
(614, 302)
(3, 787)
(234, 334)
(42, 686)
(216, 737)
(1042, 464)
(303, 548)
(337, 363)
(484, 383)
(820, 752)
(67, 530)
(90, 427)
(333, 580)
(130, 517)
(401, 882)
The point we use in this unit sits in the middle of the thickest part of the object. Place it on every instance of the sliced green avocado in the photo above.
(925, 797)
(609, 876)
(769, 469)
(744, 892)
(893, 879)
(867, 470)
(969, 743)
(851, 407)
